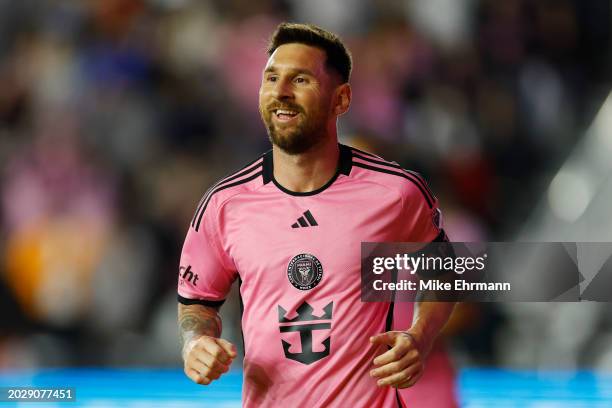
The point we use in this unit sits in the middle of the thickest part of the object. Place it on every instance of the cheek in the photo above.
(262, 102)
(320, 105)
(260, 96)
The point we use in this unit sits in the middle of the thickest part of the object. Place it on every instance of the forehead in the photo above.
(295, 56)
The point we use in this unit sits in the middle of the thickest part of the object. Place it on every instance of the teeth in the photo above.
(285, 112)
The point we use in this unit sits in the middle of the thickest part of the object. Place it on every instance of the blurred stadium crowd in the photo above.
(116, 115)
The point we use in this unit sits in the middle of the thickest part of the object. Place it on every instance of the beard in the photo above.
(295, 139)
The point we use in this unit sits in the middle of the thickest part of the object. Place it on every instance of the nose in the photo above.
(282, 89)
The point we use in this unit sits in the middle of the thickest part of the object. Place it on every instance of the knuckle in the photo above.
(192, 358)
(382, 372)
(400, 364)
(198, 344)
(188, 354)
(409, 339)
(392, 368)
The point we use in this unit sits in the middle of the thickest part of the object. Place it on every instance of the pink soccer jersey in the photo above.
(297, 257)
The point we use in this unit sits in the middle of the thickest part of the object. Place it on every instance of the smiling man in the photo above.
(288, 226)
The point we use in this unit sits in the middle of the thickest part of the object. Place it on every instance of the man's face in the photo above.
(295, 97)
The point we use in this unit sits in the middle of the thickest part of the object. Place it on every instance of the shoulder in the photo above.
(247, 178)
(407, 183)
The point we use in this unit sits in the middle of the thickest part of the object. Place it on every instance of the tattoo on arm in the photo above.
(197, 320)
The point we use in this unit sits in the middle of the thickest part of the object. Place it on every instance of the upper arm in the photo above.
(422, 223)
(206, 272)
(421, 216)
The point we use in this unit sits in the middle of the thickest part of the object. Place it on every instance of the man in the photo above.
(289, 227)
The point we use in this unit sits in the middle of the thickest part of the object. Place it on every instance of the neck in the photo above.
(306, 171)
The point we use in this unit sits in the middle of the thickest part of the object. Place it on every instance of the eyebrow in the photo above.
(294, 70)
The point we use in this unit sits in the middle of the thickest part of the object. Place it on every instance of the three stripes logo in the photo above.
(307, 220)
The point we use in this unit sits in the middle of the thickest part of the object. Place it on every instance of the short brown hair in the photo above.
(338, 56)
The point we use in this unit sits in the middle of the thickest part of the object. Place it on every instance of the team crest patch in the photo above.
(305, 271)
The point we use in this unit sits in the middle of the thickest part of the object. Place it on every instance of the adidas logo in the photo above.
(306, 221)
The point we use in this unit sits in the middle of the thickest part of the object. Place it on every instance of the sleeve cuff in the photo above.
(203, 302)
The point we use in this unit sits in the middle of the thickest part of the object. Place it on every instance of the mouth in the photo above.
(284, 115)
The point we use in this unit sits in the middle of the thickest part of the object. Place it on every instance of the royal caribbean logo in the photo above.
(304, 271)
(306, 323)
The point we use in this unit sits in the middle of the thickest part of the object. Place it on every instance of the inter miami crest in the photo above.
(304, 271)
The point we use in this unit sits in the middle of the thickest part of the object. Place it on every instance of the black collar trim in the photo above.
(345, 164)
(268, 167)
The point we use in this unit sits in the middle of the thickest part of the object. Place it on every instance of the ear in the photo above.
(342, 99)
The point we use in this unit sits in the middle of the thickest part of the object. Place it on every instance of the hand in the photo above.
(403, 364)
(207, 358)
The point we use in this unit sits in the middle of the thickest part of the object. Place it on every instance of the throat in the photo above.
(306, 172)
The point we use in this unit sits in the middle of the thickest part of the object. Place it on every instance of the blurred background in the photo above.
(116, 116)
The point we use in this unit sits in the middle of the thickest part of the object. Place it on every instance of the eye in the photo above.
(300, 80)
(271, 78)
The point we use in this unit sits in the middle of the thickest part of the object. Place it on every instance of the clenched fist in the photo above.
(207, 358)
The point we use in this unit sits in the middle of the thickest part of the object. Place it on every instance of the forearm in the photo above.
(196, 320)
(429, 319)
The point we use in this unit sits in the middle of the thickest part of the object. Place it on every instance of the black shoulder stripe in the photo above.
(220, 188)
(416, 175)
(229, 178)
(223, 181)
(357, 151)
(379, 161)
(422, 180)
(404, 175)
(209, 303)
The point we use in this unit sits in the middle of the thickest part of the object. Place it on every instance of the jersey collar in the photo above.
(345, 164)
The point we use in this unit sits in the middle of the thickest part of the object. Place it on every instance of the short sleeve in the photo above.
(421, 216)
(206, 273)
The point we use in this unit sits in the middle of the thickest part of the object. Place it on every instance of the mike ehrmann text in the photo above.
(438, 285)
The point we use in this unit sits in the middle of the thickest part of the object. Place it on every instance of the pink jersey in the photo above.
(297, 256)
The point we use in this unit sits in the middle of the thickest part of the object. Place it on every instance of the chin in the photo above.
(291, 144)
